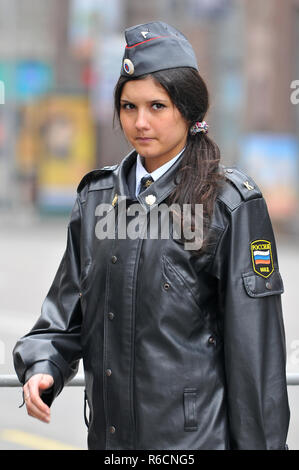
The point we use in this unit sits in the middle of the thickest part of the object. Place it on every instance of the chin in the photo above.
(146, 153)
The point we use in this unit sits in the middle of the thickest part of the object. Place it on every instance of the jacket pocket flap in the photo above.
(257, 286)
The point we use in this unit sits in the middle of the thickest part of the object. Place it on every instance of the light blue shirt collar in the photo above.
(141, 171)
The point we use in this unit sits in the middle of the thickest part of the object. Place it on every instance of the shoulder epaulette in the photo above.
(95, 174)
(244, 187)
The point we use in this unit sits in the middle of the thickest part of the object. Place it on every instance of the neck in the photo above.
(151, 164)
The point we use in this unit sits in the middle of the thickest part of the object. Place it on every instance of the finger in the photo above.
(32, 390)
(26, 393)
(36, 407)
(35, 412)
(46, 382)
(35, 399)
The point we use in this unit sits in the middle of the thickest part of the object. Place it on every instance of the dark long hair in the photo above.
(198, 178)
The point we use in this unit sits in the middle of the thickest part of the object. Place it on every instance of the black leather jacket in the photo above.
(179, 351)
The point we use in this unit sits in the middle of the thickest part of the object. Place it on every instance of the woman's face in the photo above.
(151, 122)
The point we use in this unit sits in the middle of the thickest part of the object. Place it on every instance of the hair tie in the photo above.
(199, 127)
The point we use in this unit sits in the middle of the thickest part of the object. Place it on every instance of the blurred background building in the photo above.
(59, 62)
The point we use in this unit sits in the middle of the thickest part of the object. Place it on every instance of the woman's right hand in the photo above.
(32, 390)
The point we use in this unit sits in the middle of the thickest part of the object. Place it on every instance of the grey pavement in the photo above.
(31, 248)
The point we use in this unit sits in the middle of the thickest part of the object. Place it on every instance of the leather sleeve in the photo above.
(53, 344)
(253, 330)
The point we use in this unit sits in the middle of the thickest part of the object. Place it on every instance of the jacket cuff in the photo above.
(47, 367)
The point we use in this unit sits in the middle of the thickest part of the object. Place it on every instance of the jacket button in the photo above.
(111, 315)
(150, 199)
(212, 340)
(80, 294)
(114, 259)
(112, 429)
(108, 372)
(268, 285)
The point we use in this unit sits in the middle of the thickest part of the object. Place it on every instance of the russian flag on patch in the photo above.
(262, 257)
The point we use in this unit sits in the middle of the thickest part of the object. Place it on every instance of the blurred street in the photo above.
(31, 249)
(30, 254)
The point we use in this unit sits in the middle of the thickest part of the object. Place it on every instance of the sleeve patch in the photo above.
(261, 255)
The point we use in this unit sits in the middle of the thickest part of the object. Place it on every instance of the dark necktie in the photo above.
(145, 182)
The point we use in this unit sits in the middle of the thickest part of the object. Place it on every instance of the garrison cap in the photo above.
(155, 46)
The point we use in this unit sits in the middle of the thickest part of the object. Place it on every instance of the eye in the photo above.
(127, 106)
(158, 106)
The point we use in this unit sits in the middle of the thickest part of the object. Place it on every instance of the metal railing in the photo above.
(13, 381)
(79, 381)
(293, 378)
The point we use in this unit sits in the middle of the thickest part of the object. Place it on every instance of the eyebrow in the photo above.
(150, 101)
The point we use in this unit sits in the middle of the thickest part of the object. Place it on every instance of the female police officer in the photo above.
(183, 348)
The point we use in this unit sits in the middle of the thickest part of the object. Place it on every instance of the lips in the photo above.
(144, 139)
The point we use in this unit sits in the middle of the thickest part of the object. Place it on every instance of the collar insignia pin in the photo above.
(248, 186)
(114, 200)
(148, 183)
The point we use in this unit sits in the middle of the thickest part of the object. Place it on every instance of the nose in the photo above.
(142, 122)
